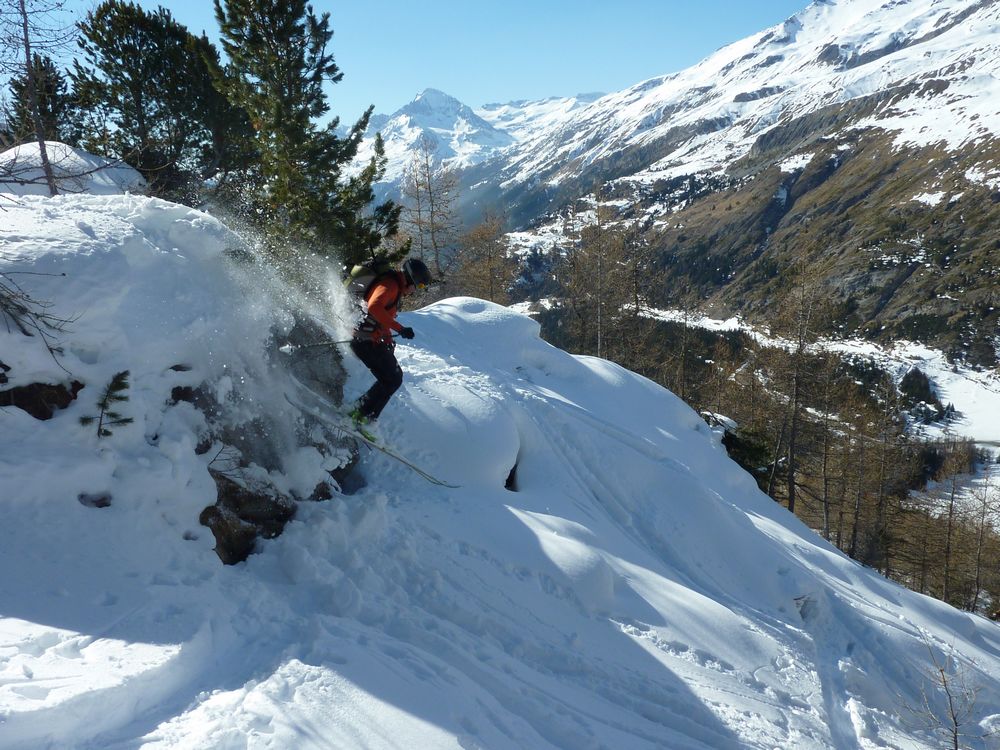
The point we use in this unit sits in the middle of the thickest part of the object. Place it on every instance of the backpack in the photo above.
(362, 276)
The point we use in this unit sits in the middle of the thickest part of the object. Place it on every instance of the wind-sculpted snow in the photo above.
(626, 587)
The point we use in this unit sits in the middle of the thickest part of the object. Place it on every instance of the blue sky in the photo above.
(516, 49)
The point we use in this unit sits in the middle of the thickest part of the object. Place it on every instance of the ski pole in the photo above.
(290, 348)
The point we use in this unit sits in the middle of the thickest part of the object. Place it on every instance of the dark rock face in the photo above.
(246, 509)
(94, 500)
(319, 368)
(243, 513)
(182, 393)
(41, 400)
(234, 538)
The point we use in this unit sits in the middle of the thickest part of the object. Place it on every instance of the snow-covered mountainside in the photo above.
(605, 577)
(926, 71)
(940, 58)
(458, 136)
(453, 132)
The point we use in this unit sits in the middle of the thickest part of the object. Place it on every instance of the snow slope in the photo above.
(526, 119)
(635, 591)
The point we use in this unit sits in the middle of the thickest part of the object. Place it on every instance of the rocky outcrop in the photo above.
(41, 400)
(248, 506)
(243, 513)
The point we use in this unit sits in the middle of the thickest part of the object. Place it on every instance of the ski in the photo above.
(374, 444)
(369, 440)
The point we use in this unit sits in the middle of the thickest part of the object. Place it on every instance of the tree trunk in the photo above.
(949, 533)
(826, 473)
(773, 479)
(31, 87)
(852, 551)
(880, 506)
(980, 545)
(793, 433)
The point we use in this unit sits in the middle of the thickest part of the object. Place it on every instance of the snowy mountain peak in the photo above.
(446, 120)
(435, 101)
(460, 136)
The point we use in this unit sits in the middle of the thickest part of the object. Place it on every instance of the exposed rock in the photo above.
(182, 393)
(241, 514)
(322, 492)
(314, 365)
(234, 539)
(246, 509)
(96, 500)
(41, 400)
(252, 441)
(762, 93)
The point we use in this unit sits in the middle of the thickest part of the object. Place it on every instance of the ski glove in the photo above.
(406, 332)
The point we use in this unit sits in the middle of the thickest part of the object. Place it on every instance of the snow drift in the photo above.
(605, 577)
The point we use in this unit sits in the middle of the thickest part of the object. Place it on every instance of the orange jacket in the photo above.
(383, 304)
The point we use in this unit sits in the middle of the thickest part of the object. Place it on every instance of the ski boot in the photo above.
(362, 424)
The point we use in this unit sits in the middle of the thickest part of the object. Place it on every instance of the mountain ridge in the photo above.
(903, 83)
(747, 87)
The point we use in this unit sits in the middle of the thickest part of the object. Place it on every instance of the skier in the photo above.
(372, 339)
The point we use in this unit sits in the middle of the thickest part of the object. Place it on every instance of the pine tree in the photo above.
(226, 146)
(108, 417)
(53, 101)
(278, 66)
(153, 79)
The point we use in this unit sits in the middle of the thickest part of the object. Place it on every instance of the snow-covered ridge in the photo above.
(829, 53)
(525, 120)
(626, 586)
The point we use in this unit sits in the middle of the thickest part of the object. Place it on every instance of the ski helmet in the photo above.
(416, 273)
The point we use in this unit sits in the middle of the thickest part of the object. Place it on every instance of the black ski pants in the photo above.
(378, 358)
